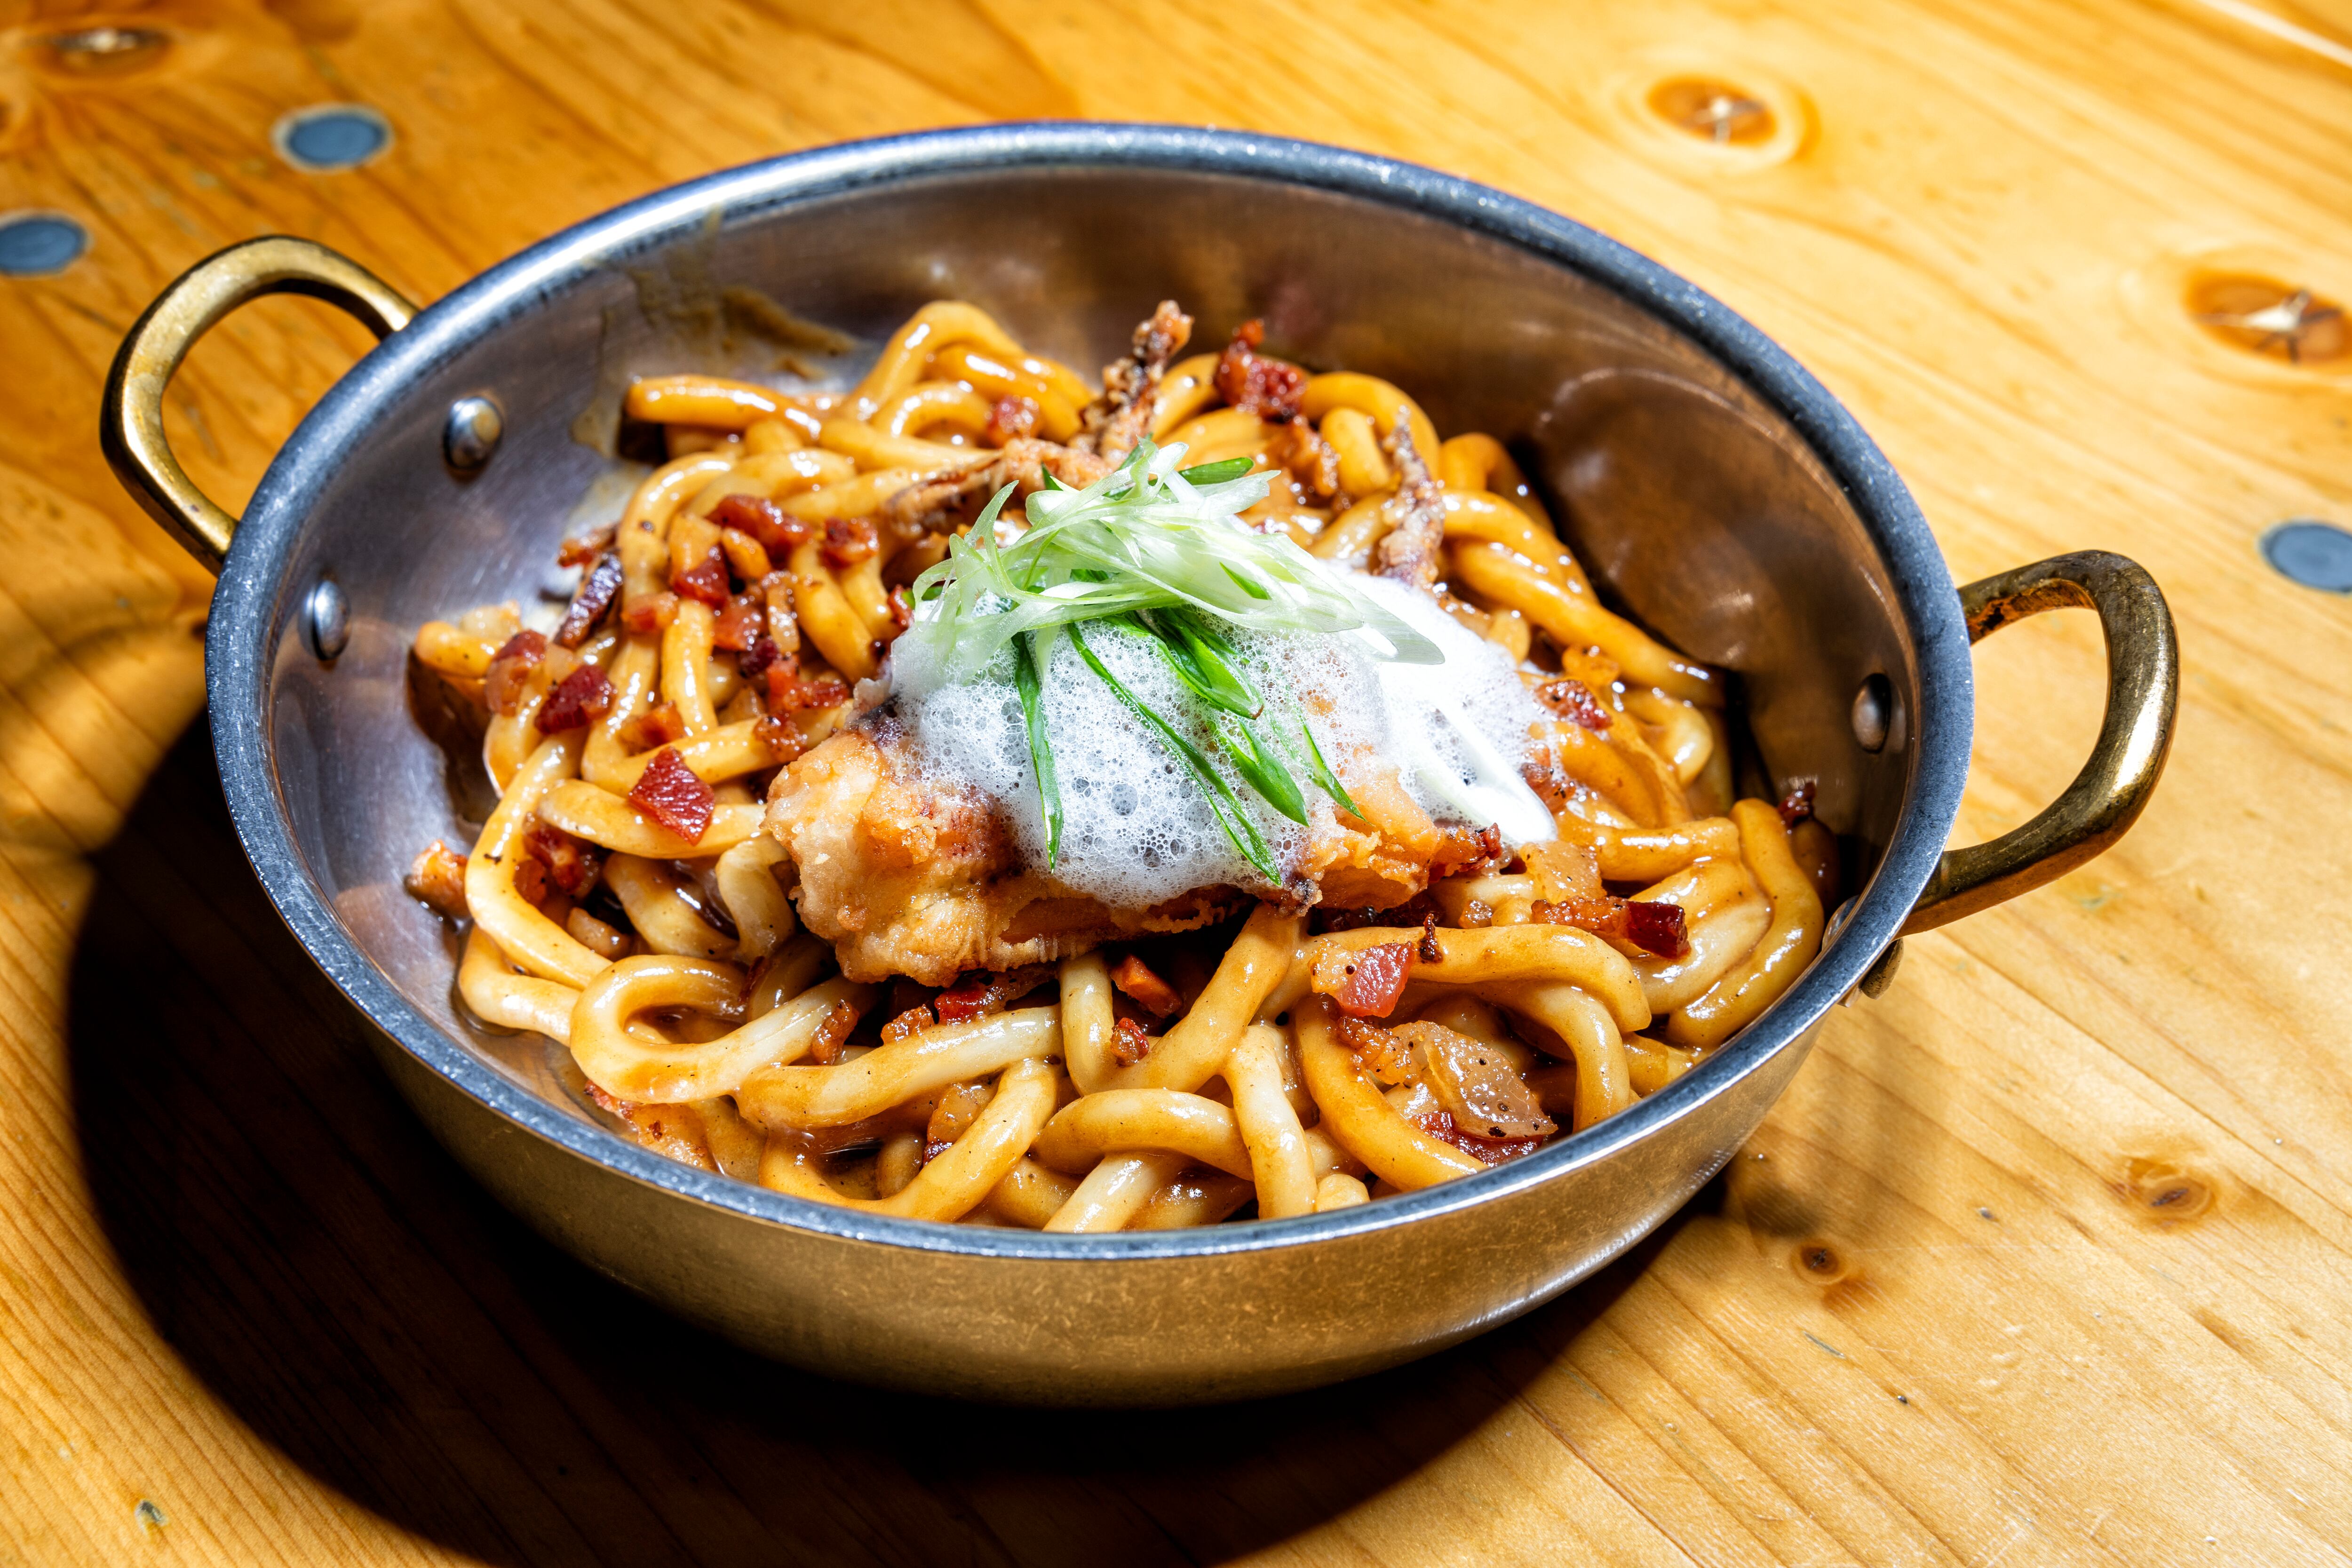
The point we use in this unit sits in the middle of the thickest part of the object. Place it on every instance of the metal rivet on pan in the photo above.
(1873, 712)
(330, 617)
(2316, 554)
(35, 244)
(1880, 974)
(472, 433)
(330, 136)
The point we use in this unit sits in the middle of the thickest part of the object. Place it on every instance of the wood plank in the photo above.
(2043, 1258)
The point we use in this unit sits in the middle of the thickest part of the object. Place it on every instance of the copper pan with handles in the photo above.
(1708, 483)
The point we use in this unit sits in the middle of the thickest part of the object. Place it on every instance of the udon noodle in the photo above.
(1051, 938)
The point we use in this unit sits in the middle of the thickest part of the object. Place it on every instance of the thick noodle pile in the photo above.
(634, 893)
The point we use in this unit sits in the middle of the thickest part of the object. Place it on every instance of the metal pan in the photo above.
(1707, 480)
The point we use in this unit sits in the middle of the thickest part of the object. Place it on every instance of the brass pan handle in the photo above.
(2107, 796)
(130, 418)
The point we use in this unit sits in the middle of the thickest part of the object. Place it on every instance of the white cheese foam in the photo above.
(1137, 830)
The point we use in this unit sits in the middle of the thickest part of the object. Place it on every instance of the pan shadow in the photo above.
(332, 1275)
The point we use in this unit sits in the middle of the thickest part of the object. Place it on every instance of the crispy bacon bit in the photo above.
(532, 883)
(1009, 419)
(1493, 1151)
(902, 608)
(776, 530)
(437, 878)
(1797, 804)
(587, 547)
(913, 1021)
(510, 668)
(651, 615)
(1428, 951)
(674, 795)
(744, 619)
(1652, 925)
(847, 540)
(1412, 912)
(1365, 984)
(824, 1049)
(1268, 388)
(580, 696)
(746, 556)
(1379, 1052)
(1464, 853)
(597, 591)
(706, 579)
(983, 991)
(788, 693)
(656, 726)
(781, 736)
(1572, 698)
(756, 660)
(571, 865)
(1144, 988)
(1130, 1042)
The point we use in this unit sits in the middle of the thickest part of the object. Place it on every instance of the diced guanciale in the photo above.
(1797, 804)
(777, 531)
(1572, 698)
(1130, 1042)
(758, 657)
(847, 540)
(913, 1021)
(824, 1049)
(580, 696)
(788, 693)
(510, 668)
(1382, 1053)
(989, 991)
(1464, 853)
(437, 877)
(1652, 925)
(571, 865)
(597, 591)
(675, 797)
(1268, 388)
(706, 579)
(1365, 984)
(741, 623)
(1144, 988)
(587, 547)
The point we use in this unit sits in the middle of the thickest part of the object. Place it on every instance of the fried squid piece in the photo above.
(1113, 423)
(1408, 553)
(947, 499)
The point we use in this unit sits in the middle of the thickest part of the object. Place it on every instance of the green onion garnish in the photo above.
(1216, 473)
(1320, 771)
(1028, 679)
(1238, 828)
(1165, 553)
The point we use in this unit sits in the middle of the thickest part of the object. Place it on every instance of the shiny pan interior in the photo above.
(1712, 486)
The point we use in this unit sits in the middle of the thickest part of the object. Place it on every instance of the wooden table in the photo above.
(2045, 1257)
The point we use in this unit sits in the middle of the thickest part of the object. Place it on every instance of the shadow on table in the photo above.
(342, 1286)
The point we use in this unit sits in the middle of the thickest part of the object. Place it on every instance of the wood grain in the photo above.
(2045, 1257)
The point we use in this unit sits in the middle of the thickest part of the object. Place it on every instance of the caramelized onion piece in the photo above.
(1476, 1084)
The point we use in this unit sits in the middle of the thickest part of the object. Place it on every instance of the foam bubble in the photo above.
(1136, 830)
